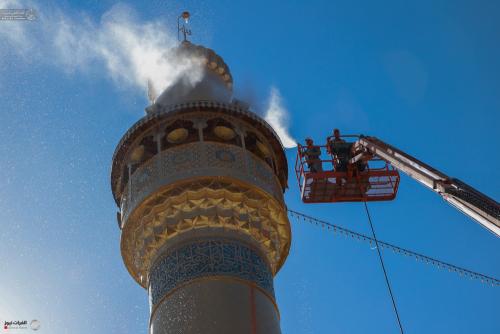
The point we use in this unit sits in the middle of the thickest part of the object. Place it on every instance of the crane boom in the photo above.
(465, 198)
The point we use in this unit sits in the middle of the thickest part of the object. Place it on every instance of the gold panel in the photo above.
(263, 149)
(137, 153)
(224, 133)
(177, 136)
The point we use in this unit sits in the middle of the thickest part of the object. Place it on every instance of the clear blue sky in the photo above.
(423, 75)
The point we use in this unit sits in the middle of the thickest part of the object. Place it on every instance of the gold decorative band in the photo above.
(214, 203)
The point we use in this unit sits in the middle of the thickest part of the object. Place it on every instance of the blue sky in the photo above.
(424, 76)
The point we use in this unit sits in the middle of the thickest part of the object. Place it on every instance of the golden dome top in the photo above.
(212, 60)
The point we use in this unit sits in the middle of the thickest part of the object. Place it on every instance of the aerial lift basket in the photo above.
(372, 179)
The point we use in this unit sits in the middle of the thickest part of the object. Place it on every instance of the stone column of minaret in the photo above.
(199, 182)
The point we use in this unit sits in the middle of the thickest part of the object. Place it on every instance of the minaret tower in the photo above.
(199, 182)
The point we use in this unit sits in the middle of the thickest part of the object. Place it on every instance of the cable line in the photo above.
(396, 249)
(383, 268)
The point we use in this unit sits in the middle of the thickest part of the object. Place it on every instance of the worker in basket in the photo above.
(312, 154)
(340, 150)
(342, 153)
(360, 169)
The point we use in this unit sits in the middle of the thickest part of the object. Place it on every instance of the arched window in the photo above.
(221, 131)
(150, 148)
(259, 148)
(145, 150)
(124, 178)
(178, 133)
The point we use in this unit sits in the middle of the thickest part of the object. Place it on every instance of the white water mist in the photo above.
(277, 116)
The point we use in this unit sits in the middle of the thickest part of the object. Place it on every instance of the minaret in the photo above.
(199, 182)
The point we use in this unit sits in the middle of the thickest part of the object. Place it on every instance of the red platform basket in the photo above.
(379, 181)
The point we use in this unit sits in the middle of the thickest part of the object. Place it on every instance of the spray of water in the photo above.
(134, 54)
(277, 116)
(130, 52)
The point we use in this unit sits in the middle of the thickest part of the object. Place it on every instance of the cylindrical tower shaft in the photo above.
(220, 284)
(200, 183)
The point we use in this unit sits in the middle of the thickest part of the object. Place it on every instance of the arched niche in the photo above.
(260, 148)
(179, 132)
(220, 130)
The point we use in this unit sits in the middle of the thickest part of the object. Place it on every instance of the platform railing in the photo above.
(379, 181)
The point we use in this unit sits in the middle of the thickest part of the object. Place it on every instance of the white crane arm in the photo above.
(465, 198)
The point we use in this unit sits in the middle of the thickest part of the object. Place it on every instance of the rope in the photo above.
(383, 268)
(396, 249)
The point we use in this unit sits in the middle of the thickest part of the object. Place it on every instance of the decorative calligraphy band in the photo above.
(201, 159)
(208, 258)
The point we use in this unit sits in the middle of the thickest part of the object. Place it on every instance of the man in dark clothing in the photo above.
(340, 149)
(312, 154)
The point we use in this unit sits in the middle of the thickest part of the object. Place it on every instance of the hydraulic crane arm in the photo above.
(471, 202)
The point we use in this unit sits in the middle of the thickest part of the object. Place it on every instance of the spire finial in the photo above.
(186, 32)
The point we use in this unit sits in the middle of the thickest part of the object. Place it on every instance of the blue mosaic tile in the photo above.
(209, 258)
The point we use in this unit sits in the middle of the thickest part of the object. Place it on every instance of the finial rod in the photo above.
(186, 32)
